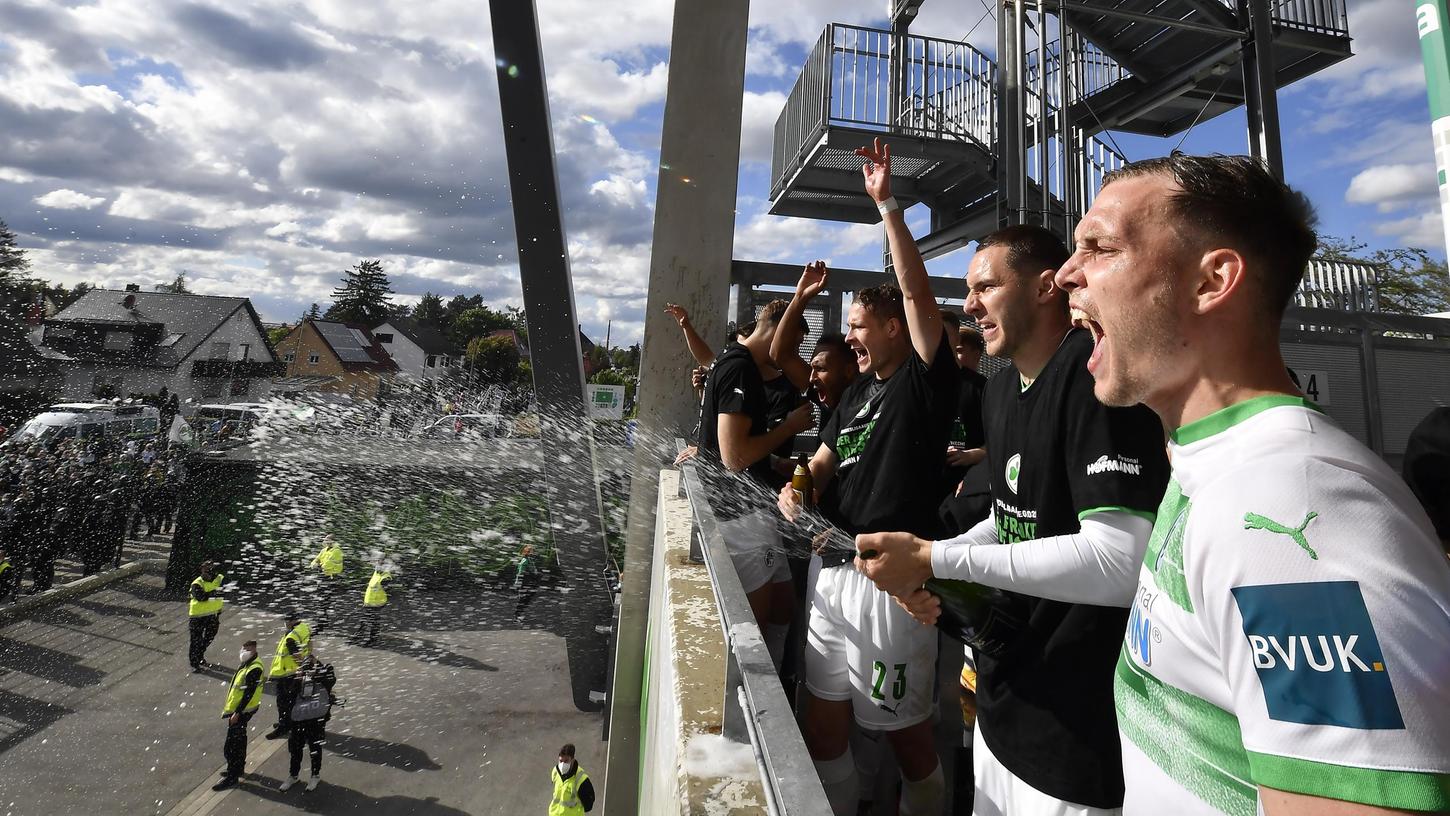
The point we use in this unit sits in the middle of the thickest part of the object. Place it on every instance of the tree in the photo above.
(1410, 281)
(363, 296)
(275, 335)
(477, 322)
(13, 263)
(312, 313)
(520, 325)
(176, 287)
(429, 310)
(493, 359)
(400, 310)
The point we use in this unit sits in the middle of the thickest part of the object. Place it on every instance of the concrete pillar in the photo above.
(689, 265)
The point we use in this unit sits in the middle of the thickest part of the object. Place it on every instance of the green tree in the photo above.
(13, 263)
(312, 313)
(519, 324)
(363, 296)
(493, 359)
(275, 335)
(477, 322)
(176, 287)
(1410, 281)
(429, 310)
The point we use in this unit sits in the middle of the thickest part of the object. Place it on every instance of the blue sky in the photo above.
(264, 146)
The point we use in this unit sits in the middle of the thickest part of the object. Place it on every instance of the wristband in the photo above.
(889, 205)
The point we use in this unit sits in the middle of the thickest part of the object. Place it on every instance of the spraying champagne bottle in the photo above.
(979, 616)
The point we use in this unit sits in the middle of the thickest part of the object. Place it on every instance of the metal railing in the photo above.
(943, 90)
(1345, 287)
(755, 707)
(1323, 16)
(1092, 71)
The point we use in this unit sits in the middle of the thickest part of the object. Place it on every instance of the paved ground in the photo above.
(100, 714)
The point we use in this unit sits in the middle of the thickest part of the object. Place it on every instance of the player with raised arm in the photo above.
(1074, 486)
(1289, 646)
(881, 454)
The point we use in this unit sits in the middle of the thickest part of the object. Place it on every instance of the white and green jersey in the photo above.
(1291, 627)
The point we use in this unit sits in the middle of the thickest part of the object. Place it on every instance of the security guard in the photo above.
(205, 610)
(293, 647)
(573, 792)
(243, 700)
(329, 560)
(375, 597)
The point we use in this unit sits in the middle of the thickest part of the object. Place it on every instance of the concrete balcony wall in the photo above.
(686, 766)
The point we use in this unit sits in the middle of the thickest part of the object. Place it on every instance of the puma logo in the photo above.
(1254, 521)
(887, 709)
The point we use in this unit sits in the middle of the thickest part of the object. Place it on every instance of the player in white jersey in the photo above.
(1289, 645)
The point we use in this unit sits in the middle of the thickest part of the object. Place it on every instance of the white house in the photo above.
(420, 350)
(210, 349)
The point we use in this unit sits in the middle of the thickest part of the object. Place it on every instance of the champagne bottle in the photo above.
(802, 482)
(980, 616)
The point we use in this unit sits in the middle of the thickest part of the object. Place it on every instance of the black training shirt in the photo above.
(734, 387)
(890, 441)
(1045, 707)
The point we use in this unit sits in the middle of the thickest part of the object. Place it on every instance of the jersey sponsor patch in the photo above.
(1115, 464)
(1317, 656)
(1014, 471)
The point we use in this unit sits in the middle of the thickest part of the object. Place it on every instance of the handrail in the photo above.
(755, 707)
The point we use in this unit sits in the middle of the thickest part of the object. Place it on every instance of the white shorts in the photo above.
(864, 648)
(1000, 793)
(753, 541)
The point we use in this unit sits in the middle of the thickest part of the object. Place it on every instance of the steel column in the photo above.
(1261, 97)
(575, 522)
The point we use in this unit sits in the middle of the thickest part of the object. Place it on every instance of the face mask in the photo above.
(564, 767)
(245, 656)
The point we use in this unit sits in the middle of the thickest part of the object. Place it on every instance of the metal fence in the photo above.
(755, 707)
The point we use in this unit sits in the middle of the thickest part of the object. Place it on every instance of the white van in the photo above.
(233, 421)
(91, 420)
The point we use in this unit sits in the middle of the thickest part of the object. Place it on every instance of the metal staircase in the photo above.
(984, 144)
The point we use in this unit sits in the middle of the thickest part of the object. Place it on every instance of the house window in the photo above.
(169, 341)
(314, 358)
(244, 350)
(289, 357)
(219, 350)
(211, 387)
(59, 333)
(383, 338)
(118, 340)
(432, 361)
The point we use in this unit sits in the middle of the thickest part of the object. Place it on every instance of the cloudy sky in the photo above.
(264, 146)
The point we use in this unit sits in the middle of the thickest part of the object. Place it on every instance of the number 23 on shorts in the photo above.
(878, 676)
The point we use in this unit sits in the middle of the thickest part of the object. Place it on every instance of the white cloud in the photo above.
(1425, 230)
(64, 199)
(791, 240)
(1392, 186)
(757, 124)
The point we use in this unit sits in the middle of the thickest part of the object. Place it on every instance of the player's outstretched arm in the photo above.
(923, 316)
(699, 349)
(785, 346)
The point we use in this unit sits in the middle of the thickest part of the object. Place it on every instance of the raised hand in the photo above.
(877, 170)
(812, 281)
(678, 312)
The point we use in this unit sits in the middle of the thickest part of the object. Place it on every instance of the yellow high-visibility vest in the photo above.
(331, 561)
(375, 594)
(235, 704)
(566, 793)
(284, 664)
(211, 606)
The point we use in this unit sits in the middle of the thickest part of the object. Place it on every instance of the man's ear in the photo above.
(1047, 285)
(1220, 277)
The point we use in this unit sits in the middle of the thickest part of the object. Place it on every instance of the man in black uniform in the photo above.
(1074, 488)
(966, 449)
(736, 442)
(882, 455)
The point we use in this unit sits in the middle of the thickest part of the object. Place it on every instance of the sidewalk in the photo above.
(99, 711)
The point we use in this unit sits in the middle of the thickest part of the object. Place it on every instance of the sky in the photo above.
(262, 147)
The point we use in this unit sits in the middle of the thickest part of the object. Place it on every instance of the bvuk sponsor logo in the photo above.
(1317, 655)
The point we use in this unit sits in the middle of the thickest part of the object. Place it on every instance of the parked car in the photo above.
(232, 422)
(90, 420)
(469, 426)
